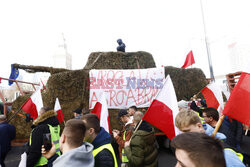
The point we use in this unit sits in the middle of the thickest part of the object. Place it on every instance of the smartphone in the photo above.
(47, 141)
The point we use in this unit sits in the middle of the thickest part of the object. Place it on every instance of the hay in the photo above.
(187, 82)
(120, 60)
(71, 86)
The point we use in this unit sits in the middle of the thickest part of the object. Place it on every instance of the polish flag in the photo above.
(101, 110)
(33, 104)
(41, 85)
(163, 110)
(189, 60)
(58, 110)
(213, 95)
(238, 104)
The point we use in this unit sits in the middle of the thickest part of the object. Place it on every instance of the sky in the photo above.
(31, 30)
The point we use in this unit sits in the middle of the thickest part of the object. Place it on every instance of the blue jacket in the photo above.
(7, 133)
(232, 160)
(209, 131)
(105, 157)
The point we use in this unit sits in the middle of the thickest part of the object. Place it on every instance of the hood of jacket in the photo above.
(144, 126)
(119, 41)
(48, 117)
(209, 131)
(146, 132)
(102, 138)
(80, 156)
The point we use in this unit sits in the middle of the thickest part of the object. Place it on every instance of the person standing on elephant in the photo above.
(141, 150)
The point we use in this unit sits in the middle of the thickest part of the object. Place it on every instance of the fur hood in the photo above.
(45, 116)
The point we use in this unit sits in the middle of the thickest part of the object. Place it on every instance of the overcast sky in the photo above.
(168, 29)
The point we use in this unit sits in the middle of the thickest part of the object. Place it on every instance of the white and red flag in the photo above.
(33, 104)
(163, 110)
(213, 95)
(101, 110)
(238, 104)
(58, 110)
(41, 85)
(189, 60)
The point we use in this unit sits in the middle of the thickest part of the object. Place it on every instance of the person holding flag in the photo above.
(141, 150)
(189, 121)
(45, 123)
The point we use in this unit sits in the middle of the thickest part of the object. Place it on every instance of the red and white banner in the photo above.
(101, 110)
(163, 110)
(33, 104)
(125, 88)
(58, 110)
(213, 96)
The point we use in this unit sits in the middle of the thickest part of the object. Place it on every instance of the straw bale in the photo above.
(72, 90)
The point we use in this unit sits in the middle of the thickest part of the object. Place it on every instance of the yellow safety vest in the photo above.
(106, 146)
(124, 157)
(55, 136)
(201, 118)
(238, 154)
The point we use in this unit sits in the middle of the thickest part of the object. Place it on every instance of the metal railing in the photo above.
(5, 103)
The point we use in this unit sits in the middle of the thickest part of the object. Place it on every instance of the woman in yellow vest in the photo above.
(46, 122)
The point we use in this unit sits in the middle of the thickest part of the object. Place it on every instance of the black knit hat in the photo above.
(78, 111)
(121, 113)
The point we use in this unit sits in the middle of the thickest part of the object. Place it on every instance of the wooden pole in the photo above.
(217, 127)
(246, 131)
(139, 124)
(14, 115)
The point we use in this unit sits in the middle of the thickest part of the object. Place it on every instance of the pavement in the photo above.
(166, 157)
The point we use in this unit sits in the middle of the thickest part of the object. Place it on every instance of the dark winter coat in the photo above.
(233, 130)
(7, 133)
(142, 151)
(121, 46)
(41, 127)
(104, 158)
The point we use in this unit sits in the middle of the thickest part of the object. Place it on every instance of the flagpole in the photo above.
(207, 44)
(217, 127)
(136, 128)
(14, 114)
(246, 131)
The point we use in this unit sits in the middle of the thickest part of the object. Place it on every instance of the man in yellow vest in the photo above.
(74, 152)
(103, 151)
(124, 135)
(46, 122)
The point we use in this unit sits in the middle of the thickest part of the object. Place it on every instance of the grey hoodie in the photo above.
(81, 156)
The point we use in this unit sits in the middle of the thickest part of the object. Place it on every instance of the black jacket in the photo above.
(105, 157)
(41, 127)
(7, 133)
(233, 130)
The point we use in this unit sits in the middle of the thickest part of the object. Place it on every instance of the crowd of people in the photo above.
(83, 142)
